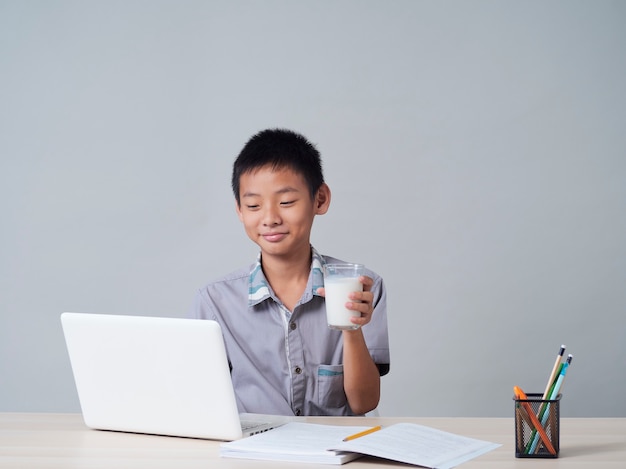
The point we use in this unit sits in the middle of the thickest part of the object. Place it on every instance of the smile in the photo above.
(274, 237)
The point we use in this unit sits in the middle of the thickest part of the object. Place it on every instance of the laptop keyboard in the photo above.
(248, 424)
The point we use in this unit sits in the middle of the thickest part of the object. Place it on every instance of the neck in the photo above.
(282, 269)
(287, 276)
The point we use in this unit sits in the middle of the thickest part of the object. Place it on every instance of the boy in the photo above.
(284, 359)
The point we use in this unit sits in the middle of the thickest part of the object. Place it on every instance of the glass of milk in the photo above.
(339, 281)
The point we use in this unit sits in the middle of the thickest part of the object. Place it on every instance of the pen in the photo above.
(553, 395)
(556, 369)
(544, 407)
(363, 433)
(559, 381)
(522, 396)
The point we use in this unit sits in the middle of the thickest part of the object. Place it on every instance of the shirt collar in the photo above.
(259, 289)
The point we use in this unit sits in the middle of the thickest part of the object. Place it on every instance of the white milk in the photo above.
(337, 295)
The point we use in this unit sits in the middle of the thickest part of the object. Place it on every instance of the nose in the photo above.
(271, 217)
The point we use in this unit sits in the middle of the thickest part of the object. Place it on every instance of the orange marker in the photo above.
(519, 394)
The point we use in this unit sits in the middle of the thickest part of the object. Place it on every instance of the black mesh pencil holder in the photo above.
(537, 427)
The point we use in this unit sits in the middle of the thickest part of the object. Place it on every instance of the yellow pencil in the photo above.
(555, 369)
(363, 433)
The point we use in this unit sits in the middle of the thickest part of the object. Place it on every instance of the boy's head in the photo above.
(279, 149)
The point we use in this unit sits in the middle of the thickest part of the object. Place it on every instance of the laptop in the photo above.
(164, 376)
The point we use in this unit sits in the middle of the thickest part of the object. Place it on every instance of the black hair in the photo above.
(279, 149)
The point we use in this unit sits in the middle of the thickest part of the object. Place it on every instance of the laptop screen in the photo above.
(167, 376)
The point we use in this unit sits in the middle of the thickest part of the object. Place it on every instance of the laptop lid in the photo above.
(166, 376)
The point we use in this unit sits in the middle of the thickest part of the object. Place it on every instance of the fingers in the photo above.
(363, 302)
(367, 282)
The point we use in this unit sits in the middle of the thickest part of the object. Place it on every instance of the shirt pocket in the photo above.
(330, 386)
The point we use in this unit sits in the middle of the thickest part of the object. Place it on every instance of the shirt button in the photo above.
(298, 370)
(292, 326)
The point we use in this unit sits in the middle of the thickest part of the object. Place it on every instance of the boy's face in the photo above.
(277, 210)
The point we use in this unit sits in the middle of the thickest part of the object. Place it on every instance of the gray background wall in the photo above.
(475, 150)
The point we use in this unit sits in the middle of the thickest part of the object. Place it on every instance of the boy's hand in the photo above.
(362, 301)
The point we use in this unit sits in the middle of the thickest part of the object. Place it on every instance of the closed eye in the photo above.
(287, 203)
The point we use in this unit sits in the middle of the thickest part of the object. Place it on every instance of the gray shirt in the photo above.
(286, 362)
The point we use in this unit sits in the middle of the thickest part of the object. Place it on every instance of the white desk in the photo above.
(46, 441)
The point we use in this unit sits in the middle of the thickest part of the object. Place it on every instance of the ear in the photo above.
(322, 199)
(238, 210)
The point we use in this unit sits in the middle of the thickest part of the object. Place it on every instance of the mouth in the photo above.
(274, 237)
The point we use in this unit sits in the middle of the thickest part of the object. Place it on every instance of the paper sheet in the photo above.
(295, 441)
(419, 445)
